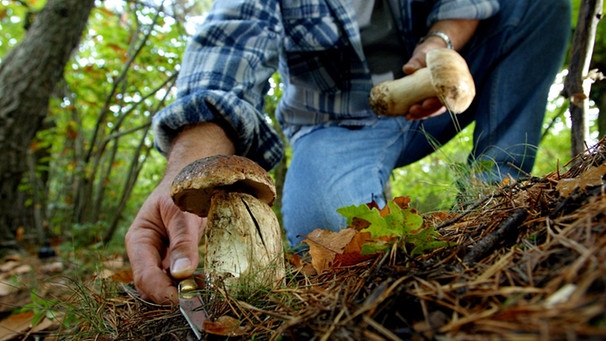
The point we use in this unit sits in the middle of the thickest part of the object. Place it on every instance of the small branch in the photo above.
(466, 212)
(505, 232)
(576, 85)
(105, 109)
(24, 4)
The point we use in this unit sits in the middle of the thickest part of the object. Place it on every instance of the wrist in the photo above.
(198, 141)
(438, 35)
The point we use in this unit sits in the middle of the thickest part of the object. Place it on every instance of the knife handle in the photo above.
(187, 286)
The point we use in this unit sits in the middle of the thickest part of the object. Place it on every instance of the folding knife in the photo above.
(192, 306)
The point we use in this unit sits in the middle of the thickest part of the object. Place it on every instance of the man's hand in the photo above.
(162, 242)
(431, 106)
(459, 31)
(162, 245)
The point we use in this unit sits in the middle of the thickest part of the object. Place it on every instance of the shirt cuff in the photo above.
(253, 136)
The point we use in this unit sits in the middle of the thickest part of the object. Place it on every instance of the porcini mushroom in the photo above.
(242, 234)
(446, 77)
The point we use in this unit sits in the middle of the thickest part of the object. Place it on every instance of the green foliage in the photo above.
(400, 224)
(395, 223)
(100, 126)
(15, 18)
(82, 304)
(431, 182)
(97, 140)
(47, 308)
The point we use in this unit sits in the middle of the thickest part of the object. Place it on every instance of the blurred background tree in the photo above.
(91, 147)
(29, 74)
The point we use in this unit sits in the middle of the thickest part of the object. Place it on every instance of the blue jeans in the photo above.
(513, 57)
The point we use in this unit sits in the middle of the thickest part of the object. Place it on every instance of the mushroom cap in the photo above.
(451, 79)
(195, 184)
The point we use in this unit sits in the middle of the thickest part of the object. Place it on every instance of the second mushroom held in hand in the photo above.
(446, 77)
(242, 236)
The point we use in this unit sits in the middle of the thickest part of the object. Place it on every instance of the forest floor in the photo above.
(526, 261)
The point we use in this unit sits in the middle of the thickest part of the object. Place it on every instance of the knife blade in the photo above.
(192, 305)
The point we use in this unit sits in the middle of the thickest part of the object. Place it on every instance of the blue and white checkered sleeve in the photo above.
(462, 9)
(223, 78)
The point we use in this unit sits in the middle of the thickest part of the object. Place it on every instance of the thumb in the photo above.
(183, 249)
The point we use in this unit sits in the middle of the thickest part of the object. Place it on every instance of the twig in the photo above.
(462, 215)
(384, 331)
(503, 232)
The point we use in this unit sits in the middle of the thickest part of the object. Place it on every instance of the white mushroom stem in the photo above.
(243, 240)
(394, 98)
(446, 77)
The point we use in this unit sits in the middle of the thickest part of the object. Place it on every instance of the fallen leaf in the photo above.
(7, 289)
(331, 241)
(295, 260)
(225, 326)
(308, 270)
(53, 267)
(402, 202)
(18, 324)
(324, 245)
(441, 215)
(46, 324)
(590, 178)
(14, 325)
(352, 254)
(359, 224)
(124, 276)
(9, 265)
(115, 262)
(103, 274)
(371, 231)
(22, 269)
(566, 186)
(330, 249)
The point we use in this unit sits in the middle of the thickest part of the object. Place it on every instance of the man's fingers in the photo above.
(184, 236)
(429, 108)
(154, 285)
(411, 66)
(151, 281)
(432, 105)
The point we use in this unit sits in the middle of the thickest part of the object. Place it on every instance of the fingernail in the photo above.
(180, 266)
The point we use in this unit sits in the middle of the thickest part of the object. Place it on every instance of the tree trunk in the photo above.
(577, 84)
(601, 104)
(28, 75)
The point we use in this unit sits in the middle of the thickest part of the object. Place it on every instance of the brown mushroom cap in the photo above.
(193, 187)
(451, 79)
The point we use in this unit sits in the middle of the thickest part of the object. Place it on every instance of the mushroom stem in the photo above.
(243, 240)
(394, 98)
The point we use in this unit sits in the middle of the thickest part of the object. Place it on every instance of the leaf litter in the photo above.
(526, 262)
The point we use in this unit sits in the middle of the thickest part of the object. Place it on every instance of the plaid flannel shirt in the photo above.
(316, 47)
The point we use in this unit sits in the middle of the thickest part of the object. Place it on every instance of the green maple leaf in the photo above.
(423, 240)
(400, 223)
